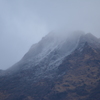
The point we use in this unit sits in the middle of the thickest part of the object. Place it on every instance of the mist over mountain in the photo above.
(25, 22)
(50, 51)
(60, 66)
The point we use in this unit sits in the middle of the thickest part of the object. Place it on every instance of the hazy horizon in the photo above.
(25, 22)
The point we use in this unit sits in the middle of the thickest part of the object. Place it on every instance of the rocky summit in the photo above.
(60, 67)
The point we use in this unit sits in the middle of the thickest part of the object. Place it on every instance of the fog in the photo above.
(25, 22)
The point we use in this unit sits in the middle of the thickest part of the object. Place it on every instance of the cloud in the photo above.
(25, 22)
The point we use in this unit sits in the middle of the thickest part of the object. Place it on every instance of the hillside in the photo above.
(56, 68)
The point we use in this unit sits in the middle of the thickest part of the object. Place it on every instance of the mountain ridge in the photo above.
(76, 77)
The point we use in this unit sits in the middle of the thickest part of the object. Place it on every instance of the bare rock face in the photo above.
(57, 68)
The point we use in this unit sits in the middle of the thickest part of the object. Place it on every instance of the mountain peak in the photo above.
(91, 36)
(91, 40)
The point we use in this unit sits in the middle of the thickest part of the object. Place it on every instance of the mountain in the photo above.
(59, 67)
(49, 53)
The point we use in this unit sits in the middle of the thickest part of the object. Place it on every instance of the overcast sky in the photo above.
(25, 22)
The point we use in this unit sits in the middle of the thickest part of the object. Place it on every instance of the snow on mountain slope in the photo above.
(49, 53)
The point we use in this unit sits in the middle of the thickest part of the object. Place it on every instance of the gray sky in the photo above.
(25, 22)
